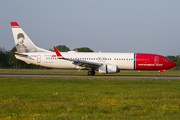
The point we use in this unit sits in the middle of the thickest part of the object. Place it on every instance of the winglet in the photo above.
(76, 50)
(57, 52)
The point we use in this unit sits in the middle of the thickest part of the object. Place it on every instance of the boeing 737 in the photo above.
(28, 52)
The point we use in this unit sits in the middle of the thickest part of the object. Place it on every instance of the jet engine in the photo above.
(108, 69)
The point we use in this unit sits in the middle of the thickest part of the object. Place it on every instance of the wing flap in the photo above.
(84, 63)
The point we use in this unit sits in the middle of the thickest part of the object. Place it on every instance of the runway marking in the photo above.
(86, 76)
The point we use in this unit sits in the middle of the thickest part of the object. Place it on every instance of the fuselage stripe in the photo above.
(134, 61)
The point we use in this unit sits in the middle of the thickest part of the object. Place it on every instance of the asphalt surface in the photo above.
(86, 76)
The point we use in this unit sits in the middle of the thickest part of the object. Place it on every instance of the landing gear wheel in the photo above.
(158, 74)
(91, 72)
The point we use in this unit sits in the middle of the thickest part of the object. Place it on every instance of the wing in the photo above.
(81, 63)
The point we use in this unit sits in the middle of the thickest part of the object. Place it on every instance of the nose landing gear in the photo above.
(159, 72)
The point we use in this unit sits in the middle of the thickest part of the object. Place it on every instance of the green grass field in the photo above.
(84, 72)
(82, 98)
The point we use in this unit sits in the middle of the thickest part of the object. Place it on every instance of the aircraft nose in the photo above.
(172, 64)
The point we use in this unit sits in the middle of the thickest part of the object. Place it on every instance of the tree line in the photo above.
(177, 60)
(8, 60)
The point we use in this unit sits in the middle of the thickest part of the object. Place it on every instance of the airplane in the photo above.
(102, 62)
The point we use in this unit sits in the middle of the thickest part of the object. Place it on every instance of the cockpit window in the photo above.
(166, 59)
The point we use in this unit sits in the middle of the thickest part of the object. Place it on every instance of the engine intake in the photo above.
(108, 69)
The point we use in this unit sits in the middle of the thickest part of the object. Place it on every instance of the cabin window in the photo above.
(166, 59)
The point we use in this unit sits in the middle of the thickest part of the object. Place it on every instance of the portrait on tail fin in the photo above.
(21, 48)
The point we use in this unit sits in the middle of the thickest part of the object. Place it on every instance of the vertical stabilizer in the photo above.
(22, 41)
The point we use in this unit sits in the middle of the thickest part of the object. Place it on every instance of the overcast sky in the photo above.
(145, 26)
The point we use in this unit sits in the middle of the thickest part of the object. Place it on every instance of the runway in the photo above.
(86, 76)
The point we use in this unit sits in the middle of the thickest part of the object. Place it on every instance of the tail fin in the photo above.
(22, 41)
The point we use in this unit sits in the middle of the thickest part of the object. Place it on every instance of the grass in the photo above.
(82, 98)
(84, 72)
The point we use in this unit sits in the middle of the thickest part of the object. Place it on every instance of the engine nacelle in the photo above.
(108, 69)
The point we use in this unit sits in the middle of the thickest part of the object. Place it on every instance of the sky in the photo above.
(135, 26)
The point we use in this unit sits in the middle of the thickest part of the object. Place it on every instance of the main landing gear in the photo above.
(91, 72)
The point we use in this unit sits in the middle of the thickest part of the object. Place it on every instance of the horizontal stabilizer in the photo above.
(15, 53)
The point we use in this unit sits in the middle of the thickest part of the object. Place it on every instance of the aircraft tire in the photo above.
(91, 72)
(158, 74)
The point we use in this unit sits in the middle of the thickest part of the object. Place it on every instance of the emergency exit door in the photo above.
(39, 59)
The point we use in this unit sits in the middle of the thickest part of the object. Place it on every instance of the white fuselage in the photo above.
(49, 59)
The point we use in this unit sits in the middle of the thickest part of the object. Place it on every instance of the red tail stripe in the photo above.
(14, 24)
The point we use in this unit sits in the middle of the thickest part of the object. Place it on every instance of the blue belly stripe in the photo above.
(134, 61)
